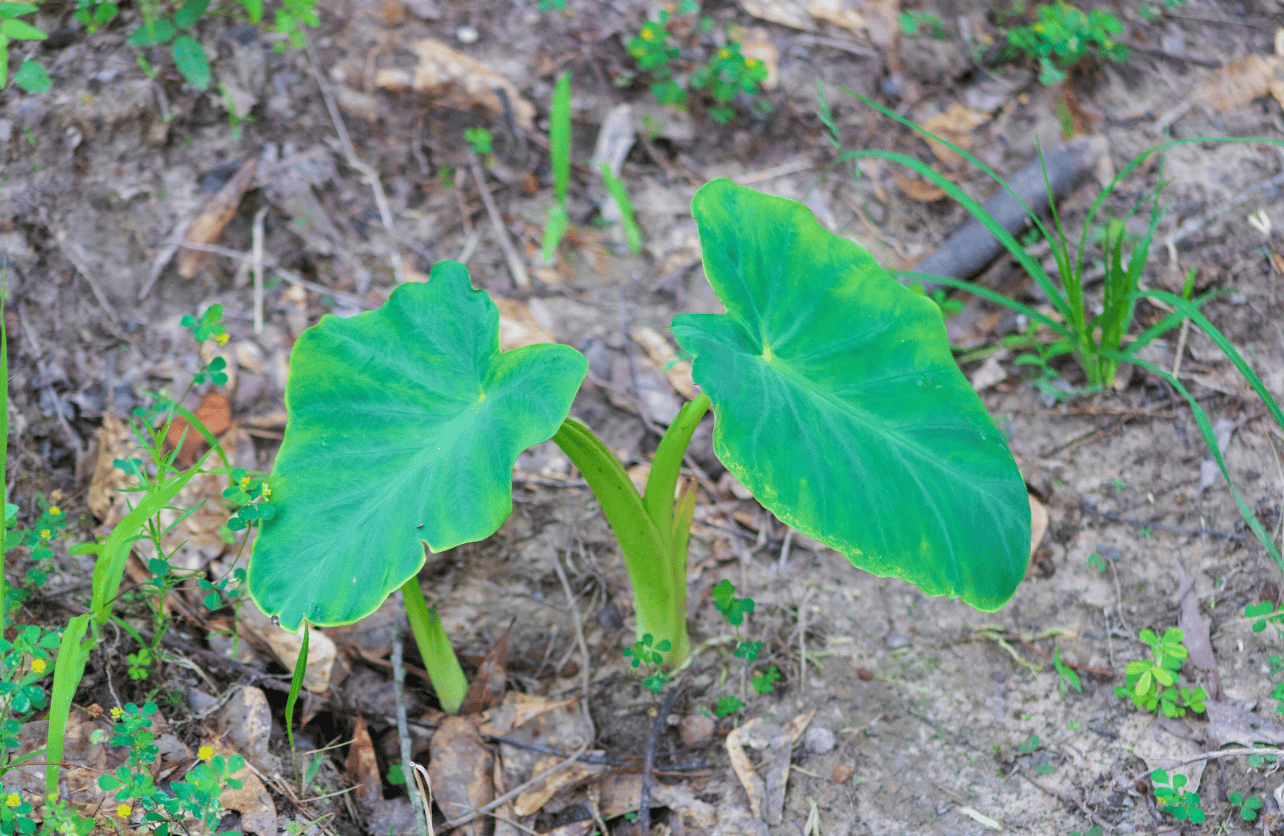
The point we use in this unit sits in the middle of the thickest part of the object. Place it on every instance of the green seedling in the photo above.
(649, 653)
(1040, 762)
(681, 56)
(1066, 675)
(734, 610)
(1062, 36)
(30, 76)
(1181, 804)
(726, 706)
(914, 22)
(94, 14)
(559, 145)
(765, 681)
(1096, 562)
(1152, 683)
(837, 400)
(615, 187)
(1096, 334)
(1248, 808)
(1265, 613)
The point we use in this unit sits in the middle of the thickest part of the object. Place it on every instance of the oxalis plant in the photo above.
(837, 404)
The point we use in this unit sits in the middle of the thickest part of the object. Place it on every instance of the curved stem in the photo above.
(434, 646)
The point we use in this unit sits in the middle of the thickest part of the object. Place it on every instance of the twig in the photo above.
(802, 630)
(648, 763)
(256, 264)
(579, 637)
(166, 252)
(403, 732)
(271, 264)
(515, 264)
(535, 781)
(366, 171)
(1225, 535)
(73, 254)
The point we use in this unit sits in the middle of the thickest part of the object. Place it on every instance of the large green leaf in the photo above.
(839, 405)
(404, 426)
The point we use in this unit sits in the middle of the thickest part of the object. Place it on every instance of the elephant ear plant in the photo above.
(837, 402)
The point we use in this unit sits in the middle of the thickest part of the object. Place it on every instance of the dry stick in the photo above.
(579, 637)
(515, 265)
(165, 254)
(271, 264)
(366, 171)
(1091, 509)
(403, 733)
(536, 780)
(256, 264)
(648, 763)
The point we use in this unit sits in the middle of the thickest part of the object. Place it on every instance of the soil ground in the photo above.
(921, 705)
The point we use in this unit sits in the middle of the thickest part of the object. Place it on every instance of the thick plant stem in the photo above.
(434, 646)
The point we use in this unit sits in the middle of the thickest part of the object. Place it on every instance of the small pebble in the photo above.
(843, 773)
(819, 740)
(896, 640)
(467, 35)
(696, 729)
(865, 674)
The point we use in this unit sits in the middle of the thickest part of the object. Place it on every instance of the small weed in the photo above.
(1041, 764)
(559, 144)
(1096, 562)
(726, 706)
(646, 652)
(765, 681)
(1248, 807)
(30, 76)
(914, 22)
(1062, 36)
(1263, 614)
(481, 141)
(682, 54)
(1066, 675)
(1151, 684)
(1119, 485)
(1176, 802)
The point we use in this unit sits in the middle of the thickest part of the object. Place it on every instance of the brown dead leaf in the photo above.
(917, 189)
(575, 828)
(1038, 523)
(517, 710)
(954, 124)
(517, 326)
(209, 224)
(754, 44)
(251, 800)
(754, 786)
(285, 646)
(215, 412)
(1233, 721)
(665, 357)
(115, 441)
(790, 13)
(461, 771)
(621, 793)
(875, 18)
(1238, 83)
(487, 688)
(570, 777)
(457, 80)
(362, 766)
(795, 727)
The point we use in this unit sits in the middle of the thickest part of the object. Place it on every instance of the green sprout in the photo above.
(1181, 804)
(1248, 807)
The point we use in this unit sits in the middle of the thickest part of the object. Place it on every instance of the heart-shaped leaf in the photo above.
(840, 407)
(404, 426)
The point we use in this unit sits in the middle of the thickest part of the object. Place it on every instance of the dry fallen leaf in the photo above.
(620, 793)
(1239, 82)
(487, 688)
(955, 124)
(755, 45)
(209, 224)
(215, 412)
(461, 771)
(1038, 523)
(917, 189)
(665, 358)
(115, 441)
(570, 777)
(285, 646)
(362, 766)
(459, 81)
(785, 12)
(754, 786)
(252, 800)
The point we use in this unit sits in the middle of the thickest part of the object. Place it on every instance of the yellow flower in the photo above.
(245, 482)
(205, 752)
(648, 35)
(38, 665)
(55, 511)
(45, 534)
(12, 800)
(116, 712)
(222, 339)
(724, 53)
(749, 62)
(267, 492)
(123, 811)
